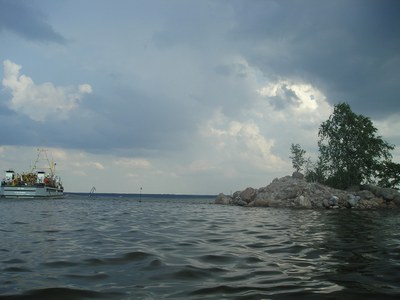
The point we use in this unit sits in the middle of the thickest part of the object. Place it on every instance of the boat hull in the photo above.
(31, 192)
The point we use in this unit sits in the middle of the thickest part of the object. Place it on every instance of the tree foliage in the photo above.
(388, 175)
(297, 157)
(314, 171)
(351, 152)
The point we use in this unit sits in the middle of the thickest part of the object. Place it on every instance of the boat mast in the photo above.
(51, 165)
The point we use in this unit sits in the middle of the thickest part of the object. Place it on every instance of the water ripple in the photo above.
(116, 248)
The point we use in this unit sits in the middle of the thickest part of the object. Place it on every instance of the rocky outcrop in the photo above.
(295, 192)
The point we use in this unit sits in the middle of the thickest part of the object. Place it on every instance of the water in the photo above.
(169, 247)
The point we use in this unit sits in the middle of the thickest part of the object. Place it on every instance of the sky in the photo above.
(188, 97)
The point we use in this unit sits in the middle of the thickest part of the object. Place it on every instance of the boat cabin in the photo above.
(40, 177)
(10, 175)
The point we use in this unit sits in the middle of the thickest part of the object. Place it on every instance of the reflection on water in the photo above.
(120, 248)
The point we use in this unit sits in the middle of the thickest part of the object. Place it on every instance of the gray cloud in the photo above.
(18, 17)
(350, 48)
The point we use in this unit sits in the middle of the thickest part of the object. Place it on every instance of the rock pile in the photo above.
(295, 192)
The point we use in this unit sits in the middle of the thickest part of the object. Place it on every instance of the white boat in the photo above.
(40, 182)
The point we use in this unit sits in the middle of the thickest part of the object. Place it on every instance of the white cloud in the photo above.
(98, 165)
(40, 102)
(132, 162)
(388, 128)
(241, 140)
(89, 164)
(85, 88)
(297, 98)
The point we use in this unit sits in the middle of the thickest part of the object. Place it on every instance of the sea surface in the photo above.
(185, 247)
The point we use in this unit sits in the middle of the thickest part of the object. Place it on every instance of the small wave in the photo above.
(60, 293)
(60, 264)
(94, 261)
(16, 270)
(212, 258)
(264, 236)
(125, 258)
(51, 231)
(217, 240)
(253, 260)
(137, 255)
(186, 273)
(96, 276)
(257, 245)
(153, 265)
(191, 273)
(13, 261)
(129, 257)
(220, 289)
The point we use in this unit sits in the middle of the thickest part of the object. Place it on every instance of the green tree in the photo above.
(314, 171)
(297, 157)
(389, 175)
(350, 151)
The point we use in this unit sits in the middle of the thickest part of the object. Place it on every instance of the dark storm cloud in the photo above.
(19, 17)
(350, 48)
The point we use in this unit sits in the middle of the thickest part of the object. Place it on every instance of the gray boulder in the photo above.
(304, 202)
(248, 194)
(297, 175)
(352, 200)
(333, 200)
(223, 199)
(239, 201)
